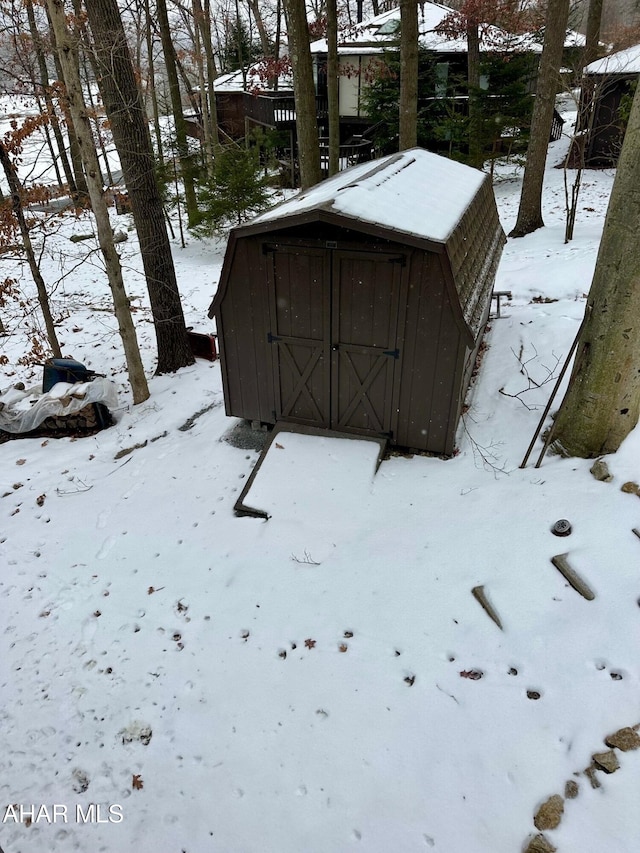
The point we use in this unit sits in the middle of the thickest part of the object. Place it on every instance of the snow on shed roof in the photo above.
(623, 62)
(415, 192)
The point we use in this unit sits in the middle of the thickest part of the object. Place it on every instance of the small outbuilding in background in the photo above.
(359, 305)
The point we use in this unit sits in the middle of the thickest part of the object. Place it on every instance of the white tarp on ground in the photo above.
(22, 411)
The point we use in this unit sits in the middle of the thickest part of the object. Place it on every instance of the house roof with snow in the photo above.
(236, 81)
(379, 33)
(623, 62)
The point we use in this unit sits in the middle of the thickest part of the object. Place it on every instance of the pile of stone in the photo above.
(549, 814)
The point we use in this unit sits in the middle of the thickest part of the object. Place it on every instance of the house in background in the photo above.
(244, 102)
(364, 46)
(607, 89)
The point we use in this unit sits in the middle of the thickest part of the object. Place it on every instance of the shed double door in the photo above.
(335, 317)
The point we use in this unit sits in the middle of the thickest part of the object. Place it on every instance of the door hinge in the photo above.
(272, 338)
(401, 259)
(394, 353)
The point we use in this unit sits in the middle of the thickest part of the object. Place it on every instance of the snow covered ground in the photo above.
(324, 681)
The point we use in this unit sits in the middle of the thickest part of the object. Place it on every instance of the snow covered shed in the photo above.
(359, 305)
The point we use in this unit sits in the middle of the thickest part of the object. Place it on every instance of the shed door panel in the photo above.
(300, 318)
(334, 331)
(366, 295)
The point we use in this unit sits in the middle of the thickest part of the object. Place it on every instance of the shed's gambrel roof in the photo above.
(414, 197)
(414, 193)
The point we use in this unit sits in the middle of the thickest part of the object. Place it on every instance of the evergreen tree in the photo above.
(236, 190)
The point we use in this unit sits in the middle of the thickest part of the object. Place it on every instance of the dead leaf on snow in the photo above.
(473, 674)
(40, 499)
(136, 783)
(20, 461)
(309, 643)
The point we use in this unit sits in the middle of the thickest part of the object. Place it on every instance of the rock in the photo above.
(630, 488)
(571, 790)
(590, 773)
(550, 813)
(624, 739)
(539, 844)
(600, 471)
(607, 761)
(120, 237)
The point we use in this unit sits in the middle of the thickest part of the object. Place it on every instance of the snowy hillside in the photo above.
(324, 681)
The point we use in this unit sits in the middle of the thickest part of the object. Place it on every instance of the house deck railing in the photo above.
(275, 109)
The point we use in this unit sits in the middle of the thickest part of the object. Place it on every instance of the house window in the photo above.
(442, 76)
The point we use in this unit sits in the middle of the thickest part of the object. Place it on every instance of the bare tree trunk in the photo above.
(152, 82)
(530, 209)
(46, 93)
(186, 161)
(408, 130)
(265, 44)
(15, 188)
(42, 109)
(276, 49)
(125, 110)
(602, 403)
(594, 19)
(476, 153)
(67, 47)
(304, 93)
(82, 192)
(212, 73)
(207, 142)
(238, 39)
(333, 87)
(97, 134)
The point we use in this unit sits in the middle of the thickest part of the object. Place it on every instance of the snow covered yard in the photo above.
(324, 681)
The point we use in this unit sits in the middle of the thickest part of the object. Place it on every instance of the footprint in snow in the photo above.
(106, 547)
(89, 628)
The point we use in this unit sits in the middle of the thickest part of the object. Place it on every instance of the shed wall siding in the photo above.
(431, 352)
(244, 318)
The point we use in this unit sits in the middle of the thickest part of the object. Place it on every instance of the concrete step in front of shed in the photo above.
(302, 466)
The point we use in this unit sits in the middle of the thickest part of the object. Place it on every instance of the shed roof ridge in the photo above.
(384, 169)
